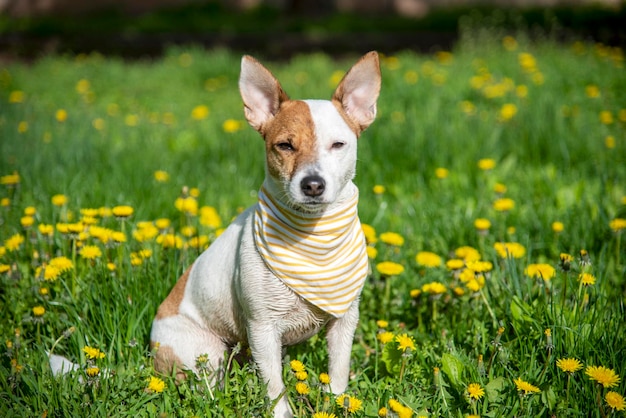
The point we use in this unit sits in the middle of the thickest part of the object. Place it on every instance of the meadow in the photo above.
(493, 198)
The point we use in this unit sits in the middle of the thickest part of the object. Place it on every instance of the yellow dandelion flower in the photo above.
(525, 387)
(569, 365)
(385, 337)
(22, 127)
(297, 366)
(557, 227)
(61, 115)
(475, 391)
(434, 288)
(324, 378)
(350, 403)
(323, 414)
(92, 371)
(382, 412)
(90, 252)
(592, 91)
(302, 375)
(39, 310)
(156, 385)
(372, 252)
(603, 375)
(209, 217)
(93, 353)
(10, 179)
(509, 249)
(59, 200)
(16, 96)
(587, 279)
(442, 173)
(507, 111)
(405, 342)
(482, 224)
(122, 211)
(188, 205)
(370, 233)
(4, 268)
(540, 270)
(389, 268)
(617, 224)
(335, 78)
(378, 189)
(503, 204)
(414, 293)
(615, 401)
(606, 117)
(428, 259)
(509, 43)
(51, 273)
(486, 163)
(161, 176)
(467, 253)
(14, 242)
(455, 264)
(62, 263)
(232, 125)
(200, 112)
(381, 323)
(302, 388)
(609, 141)
(476, 283)
(392, 238)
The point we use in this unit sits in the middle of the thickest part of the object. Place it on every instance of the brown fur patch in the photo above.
(166, 361)
(352, 124)
(293, 124)
(169, 307)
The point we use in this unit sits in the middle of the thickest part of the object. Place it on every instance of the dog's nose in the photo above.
(312, 186)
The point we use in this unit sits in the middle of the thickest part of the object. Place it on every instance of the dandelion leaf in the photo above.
(392, 357)
(493, 388)
(452, 366)
(548, 398)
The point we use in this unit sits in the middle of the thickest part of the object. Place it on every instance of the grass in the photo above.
(547, 128)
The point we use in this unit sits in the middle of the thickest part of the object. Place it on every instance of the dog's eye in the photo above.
(284, 146)
(338, 144)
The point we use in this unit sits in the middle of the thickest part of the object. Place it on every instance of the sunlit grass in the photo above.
(493, 183)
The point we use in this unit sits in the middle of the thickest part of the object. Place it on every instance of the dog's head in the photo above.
(310, 144)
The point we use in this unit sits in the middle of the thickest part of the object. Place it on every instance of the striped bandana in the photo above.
(321, 258)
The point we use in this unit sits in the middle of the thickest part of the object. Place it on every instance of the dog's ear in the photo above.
(260, 91)
(358, 90)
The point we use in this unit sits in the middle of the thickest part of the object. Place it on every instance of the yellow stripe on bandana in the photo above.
(322, 258)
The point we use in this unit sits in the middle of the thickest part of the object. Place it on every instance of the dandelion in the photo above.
(509, 43)
(372, 252)
(381, 323)
(541, 270)
(61, 115)
(486, 164)
(90, 252)
(324, 415)
(475, 391)
(335, 78)
(428, 259)
(525, 387)
(509, 249)
(378, 189)
(617, 224)
(51, 273)
(389, 268)
(467, 253)
(507, 111)
(482, 224)
(189, 205)
(587, 279)
(370, 233)
(609, 141)
(302, 375)
(385, 337)
(434, 288)
(392, 238)
(14, 242)
(16, 96)
(10, 179)
(209, 217)
(62, 263)
(324, 378)
(59, 200)
(4, 268)
(615, 401)
(606, 117)
(442, 173)
(455, 264)
(161, 176)
(231, 126)
(200, 112)
(405, 342)
(302, 388)
(350, 403)
(592, 91)
(503, 204)
(499, 188)
(155, 385)
(297, 366)
(603, 375)
(569, 365)
(93, 353)
(92, 371)
(122, 211)
(39, 311)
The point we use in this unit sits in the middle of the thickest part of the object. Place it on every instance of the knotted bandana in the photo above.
(320, 257)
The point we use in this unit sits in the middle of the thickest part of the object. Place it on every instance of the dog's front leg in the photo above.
(339, 336)
(266, 348)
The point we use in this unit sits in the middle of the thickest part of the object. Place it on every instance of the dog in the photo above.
(296, 261)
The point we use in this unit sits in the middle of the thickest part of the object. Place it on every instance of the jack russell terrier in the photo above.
(294, 262)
